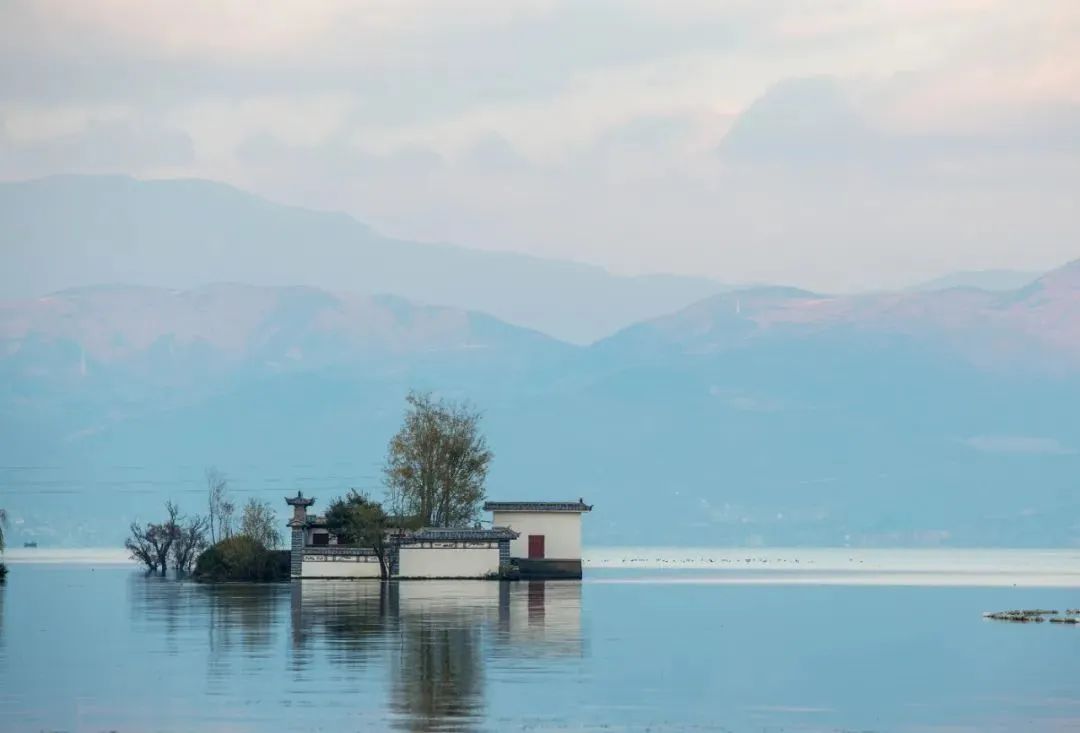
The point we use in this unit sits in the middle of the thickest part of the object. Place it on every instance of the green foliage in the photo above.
(241, 558)
(437, 463)
(3, 572)
(259, 522)
(357, 520)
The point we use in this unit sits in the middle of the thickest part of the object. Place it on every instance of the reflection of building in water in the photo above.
(540, 618)
(536, 615)
(437, 637)
(438, 659)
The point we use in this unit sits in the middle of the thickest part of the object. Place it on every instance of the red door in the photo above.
(536, 546)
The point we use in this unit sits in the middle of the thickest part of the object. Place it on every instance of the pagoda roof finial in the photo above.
(300, 500)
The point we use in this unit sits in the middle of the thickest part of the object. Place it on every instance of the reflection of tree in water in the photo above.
(242, 620)
(341, 621)
(160, 605)
(435, 654)
(435, 636)
(439, 671)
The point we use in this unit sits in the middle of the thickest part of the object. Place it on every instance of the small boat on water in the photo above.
(30, 544)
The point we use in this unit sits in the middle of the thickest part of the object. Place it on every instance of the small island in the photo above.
(429, 527)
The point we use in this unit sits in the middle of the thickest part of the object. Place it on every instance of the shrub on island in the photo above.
(241, 558)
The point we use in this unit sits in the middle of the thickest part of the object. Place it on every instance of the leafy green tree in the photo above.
(437, 463)
(357, 520)
(241, 558)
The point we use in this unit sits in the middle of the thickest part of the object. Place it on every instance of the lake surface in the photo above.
(98, 647)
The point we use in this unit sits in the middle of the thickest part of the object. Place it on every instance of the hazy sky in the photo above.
(830, 144)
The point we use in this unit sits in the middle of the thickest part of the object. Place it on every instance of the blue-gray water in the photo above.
(86, 648)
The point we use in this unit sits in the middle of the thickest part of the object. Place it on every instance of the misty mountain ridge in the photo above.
(307, 327)
(992, 280)
(233, 324)
(69, 231)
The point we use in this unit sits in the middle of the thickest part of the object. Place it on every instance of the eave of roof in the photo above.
(459, 534)
(537, 506)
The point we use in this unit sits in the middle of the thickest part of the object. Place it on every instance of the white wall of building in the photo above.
(448, 562)
(340, 567)
(561, 530)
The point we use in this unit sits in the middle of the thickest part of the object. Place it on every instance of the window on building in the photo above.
(321, 538)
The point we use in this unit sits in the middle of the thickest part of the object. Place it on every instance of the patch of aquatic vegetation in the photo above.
(1036, 616)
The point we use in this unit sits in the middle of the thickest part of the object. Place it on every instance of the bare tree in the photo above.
(142, 545)
(259, 522)
(153, 545)
(190, 541)
(220, 507)
(437, 463)
(226, 513)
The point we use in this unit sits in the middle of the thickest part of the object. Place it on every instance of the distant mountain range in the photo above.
(993, 280)
(70, 231)
(762, 416)
(1034, 329)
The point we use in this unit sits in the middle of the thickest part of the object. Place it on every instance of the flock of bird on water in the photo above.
(1036, 615)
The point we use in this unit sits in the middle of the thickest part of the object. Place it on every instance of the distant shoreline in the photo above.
(67, 556)
(990, 567)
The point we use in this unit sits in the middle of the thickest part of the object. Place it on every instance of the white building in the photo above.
(527, 539)
(549, 535)
(428, 553)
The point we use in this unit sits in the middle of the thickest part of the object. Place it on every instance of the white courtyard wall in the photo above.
(448, 562)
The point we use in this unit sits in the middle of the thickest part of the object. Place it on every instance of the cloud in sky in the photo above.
(836, 144)
(1018, 445)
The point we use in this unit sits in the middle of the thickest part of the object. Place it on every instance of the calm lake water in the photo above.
(87, 647)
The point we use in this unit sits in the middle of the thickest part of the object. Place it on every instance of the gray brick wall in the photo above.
(297, 560)
(504, 554)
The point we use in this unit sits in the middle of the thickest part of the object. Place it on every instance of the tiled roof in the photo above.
(537, 506)
(463, 534)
